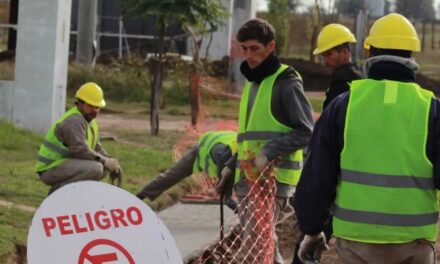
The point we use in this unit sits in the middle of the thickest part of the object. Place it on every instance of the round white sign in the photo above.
(97, 223)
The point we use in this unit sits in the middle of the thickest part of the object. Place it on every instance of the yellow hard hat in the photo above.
(393, 31)
(331, 36)
(92, 94)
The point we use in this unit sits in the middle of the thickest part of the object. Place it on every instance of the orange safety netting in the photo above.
(252, 240)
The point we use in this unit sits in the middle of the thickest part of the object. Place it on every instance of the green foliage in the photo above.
(422, 9)
(293, 5)
(202, 16)
(120, 81)
(124, 82)
(197, 17)
(278, 16)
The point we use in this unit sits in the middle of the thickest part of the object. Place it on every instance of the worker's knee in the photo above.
(96, 171)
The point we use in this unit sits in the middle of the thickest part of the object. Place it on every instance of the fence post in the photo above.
(120, 37)
(423, 34)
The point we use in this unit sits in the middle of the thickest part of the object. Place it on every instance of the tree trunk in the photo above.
(194, 95)
(157, 69)
(194, 82)
(155, 95)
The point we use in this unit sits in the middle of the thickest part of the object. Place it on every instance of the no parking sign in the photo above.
(97, 223)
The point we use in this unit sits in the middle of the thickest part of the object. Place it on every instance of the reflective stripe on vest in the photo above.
(52, 152)
(375, 218)
(387, 181)
(259, 127)
(207, 141)
(386, 192)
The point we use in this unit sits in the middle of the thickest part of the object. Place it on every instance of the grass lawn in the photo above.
(20, 184)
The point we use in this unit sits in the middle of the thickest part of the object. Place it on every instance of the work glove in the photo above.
(116, 176)
(261, 162)
(111, 164)
(225, 183)
(311, 247)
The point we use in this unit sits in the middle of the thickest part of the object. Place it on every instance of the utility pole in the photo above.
(86, 38)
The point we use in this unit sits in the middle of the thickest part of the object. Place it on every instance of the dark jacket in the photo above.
(316, 190)
(340, 80)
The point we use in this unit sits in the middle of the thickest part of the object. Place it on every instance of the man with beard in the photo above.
(71, 150)
(333, 45)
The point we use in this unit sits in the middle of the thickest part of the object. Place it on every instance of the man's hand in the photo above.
(226, 183)
(111, 164)
(312, 247)
(261, 162)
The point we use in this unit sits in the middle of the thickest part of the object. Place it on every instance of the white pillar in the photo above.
(41, 63)
(87, 13)
(243, 11)
(221, 39)
(361, 23)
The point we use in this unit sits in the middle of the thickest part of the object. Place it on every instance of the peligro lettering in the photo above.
(91, 221)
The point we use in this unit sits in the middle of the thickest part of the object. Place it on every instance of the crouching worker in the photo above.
(71, 150)
(209, 155)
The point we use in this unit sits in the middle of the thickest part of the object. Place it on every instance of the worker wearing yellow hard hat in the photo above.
(374, 160)
(71, 150)
(92, 94)
(393, 32)
(333, 45)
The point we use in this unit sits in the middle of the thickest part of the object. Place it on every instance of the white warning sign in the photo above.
(96, 223)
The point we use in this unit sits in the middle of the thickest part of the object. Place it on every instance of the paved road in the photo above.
(195, 225)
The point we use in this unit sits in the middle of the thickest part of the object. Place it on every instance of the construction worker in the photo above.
(214, 148)
(374, 160)
(71, 150)
(333, 44)
(275, 123)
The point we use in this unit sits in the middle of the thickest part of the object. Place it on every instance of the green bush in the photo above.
(120, 82)
(129, 80)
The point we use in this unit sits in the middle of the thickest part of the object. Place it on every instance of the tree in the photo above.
(349, 7)
(162, 11)
(197, 17)
(293, 5)
(278, 16)
(421, 9)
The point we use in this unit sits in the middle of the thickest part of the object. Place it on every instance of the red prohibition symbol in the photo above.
(106, 257)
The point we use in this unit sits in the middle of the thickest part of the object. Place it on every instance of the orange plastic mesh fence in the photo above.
(252, 239)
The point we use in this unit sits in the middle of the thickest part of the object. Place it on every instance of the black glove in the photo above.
(311, 247)
(116, 176)
(226, 183)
